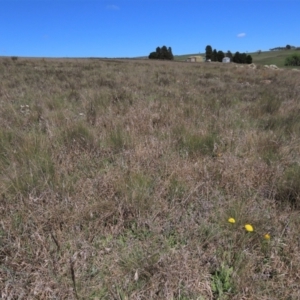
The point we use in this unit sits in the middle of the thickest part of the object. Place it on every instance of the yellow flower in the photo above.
(231, 220)
(249, 227)
(267, 236)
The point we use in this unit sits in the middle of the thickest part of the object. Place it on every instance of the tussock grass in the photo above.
(117, 180)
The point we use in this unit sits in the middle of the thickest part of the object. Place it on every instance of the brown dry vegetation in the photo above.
(118, 178)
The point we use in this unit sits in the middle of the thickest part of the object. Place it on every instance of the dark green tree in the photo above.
(220, 56)
(237, 57)
(288, 47)
(229, 54)
(208, 52)
(171, 56)
(249, 59)
(158, 51)
(214, 55)
(162, 53)
(153, 55)
(243, 58)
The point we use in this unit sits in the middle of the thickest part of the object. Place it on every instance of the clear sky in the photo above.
(130, 28)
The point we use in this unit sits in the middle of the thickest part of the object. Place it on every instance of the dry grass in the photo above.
(118, 178)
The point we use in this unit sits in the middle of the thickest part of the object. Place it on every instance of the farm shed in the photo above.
(226, 60)
(197, 58)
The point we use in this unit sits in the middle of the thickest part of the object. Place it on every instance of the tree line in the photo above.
(162, 53)
(287, 47)
(165, 53)
(214, 55)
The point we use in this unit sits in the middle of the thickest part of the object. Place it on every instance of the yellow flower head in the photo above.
(231, 220)
(249, 227)
(267, 236)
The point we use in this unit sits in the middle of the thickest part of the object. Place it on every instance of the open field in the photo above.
(118, 178)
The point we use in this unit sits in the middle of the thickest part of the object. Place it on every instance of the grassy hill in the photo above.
(273, 57)
(264, 58)
(185, 56)
(118, 178)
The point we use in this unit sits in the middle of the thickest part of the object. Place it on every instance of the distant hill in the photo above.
(273, 57)
(263, 58)
(185, 56)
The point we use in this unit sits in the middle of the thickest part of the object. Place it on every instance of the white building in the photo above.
(226, 60)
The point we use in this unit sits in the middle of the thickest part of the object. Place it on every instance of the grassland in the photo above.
(273, 57)
(118, 178)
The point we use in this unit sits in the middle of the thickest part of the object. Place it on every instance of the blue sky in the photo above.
(130, 28)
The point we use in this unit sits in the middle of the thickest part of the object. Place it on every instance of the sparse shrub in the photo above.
(222, 282)
(14, 58)
(293, 60)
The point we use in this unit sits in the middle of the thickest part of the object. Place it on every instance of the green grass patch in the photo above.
(272, 57)
(192, 144)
